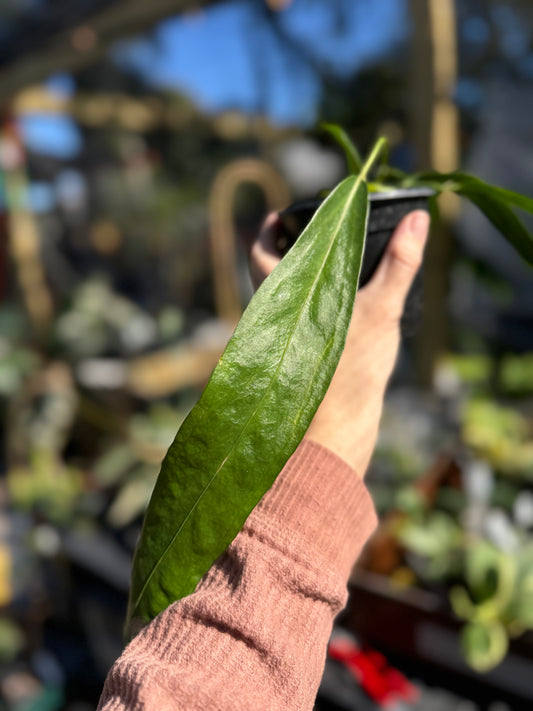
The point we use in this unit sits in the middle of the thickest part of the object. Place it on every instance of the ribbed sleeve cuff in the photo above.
(323, 503)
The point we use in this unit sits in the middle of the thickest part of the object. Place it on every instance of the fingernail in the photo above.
(419, 223)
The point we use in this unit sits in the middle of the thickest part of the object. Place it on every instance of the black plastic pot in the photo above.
(386, 211)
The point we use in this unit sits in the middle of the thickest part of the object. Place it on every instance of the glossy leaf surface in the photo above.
(256, 407)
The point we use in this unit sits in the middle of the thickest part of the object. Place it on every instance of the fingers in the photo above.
(264, 255)
(347, 420)
(393, 278)
(390, 284)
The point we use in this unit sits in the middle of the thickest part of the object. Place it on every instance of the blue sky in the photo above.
(228, 56)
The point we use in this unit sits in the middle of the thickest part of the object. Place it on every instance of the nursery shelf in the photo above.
(416, 626)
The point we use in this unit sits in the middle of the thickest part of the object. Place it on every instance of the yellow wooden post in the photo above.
(435, 135)
(23, 234)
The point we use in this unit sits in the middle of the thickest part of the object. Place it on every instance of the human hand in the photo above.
(347, 420)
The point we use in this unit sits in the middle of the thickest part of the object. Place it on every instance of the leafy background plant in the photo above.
(123, 228)
(464, 528)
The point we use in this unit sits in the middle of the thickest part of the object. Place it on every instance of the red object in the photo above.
(383, 683)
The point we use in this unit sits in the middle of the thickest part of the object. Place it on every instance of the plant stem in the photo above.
(379, 146)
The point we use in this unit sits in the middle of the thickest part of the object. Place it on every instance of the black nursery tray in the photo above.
(417, 627)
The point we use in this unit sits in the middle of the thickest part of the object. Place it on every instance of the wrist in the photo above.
(320, 506)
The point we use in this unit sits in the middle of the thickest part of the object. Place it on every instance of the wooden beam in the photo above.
(143, 113)
(24, 238)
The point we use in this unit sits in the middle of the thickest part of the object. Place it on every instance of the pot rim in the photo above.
(400, 193)
(390, 195)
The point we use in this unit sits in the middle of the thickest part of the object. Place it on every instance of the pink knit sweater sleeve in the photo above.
(254, 633)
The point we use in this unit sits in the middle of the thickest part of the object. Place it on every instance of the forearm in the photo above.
(254, 633)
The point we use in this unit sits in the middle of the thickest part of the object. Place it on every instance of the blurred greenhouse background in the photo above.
(141, 145)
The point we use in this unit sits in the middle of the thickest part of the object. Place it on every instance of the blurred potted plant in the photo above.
(495, 601)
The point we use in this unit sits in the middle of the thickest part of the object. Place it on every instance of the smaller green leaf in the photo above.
(461, 603)
(472, 183)
(521, 612)
(11, 640)
(390, 173)
(484, 645)
(111, 466)
(483, 571)
(353, 157)
(505, 220)
(434, 208)
(496, 204)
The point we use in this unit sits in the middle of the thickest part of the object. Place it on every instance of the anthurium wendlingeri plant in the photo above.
(273, 375)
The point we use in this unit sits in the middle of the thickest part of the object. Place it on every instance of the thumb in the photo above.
(400, 263)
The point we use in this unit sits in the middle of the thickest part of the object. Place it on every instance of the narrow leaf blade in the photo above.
(353, 157)
(496, 204)
(472, 183)
(256, 407)
(505, 220)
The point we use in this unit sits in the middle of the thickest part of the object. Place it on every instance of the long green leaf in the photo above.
(256, 407)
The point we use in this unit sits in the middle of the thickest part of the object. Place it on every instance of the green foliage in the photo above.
(11, 640)
(495, 601)
(435, 538)
(99, 320)
(499, 434)
(516, 374)
(410, 501)
(15, 365)
(498, 204)
(353, 157)
(131, 466)
(473, 370)
(256, 407)
(270, 380)
(46, 487)
(484, 645)
(512, 374)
